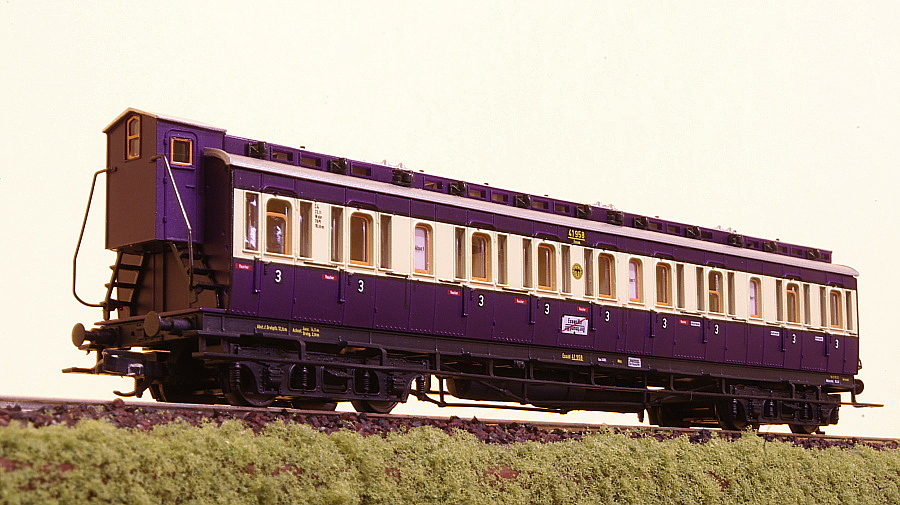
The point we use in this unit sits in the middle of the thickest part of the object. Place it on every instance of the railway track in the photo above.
(143, 415)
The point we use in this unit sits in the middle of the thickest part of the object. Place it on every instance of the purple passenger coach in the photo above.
(259, 274)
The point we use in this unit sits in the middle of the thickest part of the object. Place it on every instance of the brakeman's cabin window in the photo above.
(133, 137)
(182, 151)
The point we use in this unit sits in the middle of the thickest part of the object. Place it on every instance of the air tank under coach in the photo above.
(258, 274)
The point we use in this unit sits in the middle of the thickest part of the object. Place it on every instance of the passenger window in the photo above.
(386, 242)
(715, 291)
(304, 228)
(182, 151)
(278, 230)
(481, 257)
(133, 137)
(502, 260)
(251, 222)
(849, 300)
(792, 299)
(546, 267)
(527, 262)
(422, 256)
(679, 285)
(566, 269)
(731, 294)
(588, 272)
(337, 234)
(360, 239)
(606, 272)
(663, 284)
(755, 295)
(635, 281)
(460, 253)
(836, 308)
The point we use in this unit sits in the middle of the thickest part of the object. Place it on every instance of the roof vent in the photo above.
(402, 178)
(258, 150)
(339, 166)
(616, 217)
(458, 188)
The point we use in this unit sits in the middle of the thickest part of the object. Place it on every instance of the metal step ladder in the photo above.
(122, 288)
(200, 276)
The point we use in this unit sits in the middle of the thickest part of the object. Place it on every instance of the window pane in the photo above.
(793, 304)
(502, 264)
(460, 253)
(835, 306)
(305, 229)
(386, 242)
(546, 266)
(527, 263)
(360, 236)
(754, 292)
(605, 273)
(635, 293)
(715, 292)
(337, 234)
(182, 151)
(278, 218)
(422, 254)
(480, 255)
(663, 284)
(251, 223)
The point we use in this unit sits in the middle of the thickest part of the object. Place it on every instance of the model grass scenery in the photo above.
(259, 274)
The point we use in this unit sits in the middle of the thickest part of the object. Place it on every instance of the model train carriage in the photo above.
(256, 273)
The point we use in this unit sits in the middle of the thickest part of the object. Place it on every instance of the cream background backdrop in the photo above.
(777, 119)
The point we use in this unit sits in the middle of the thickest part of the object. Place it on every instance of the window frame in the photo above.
(835, 315)
(754, 298)
(792, 303)
(546, 267)
(368, 239)
(606, 276)
(480, 261)
(129, 137)
(635, 280)
(251, 221)
(428, 252)
(713, 294)
(190, 151)
(286, 218)
(663, 284)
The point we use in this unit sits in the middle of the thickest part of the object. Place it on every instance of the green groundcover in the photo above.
(294, 464)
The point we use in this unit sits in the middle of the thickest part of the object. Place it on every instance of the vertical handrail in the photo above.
(184, 215)
(80, 238)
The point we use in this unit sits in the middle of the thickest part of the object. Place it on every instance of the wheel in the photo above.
(804, 429)
(667, 416)
(172, 393)
(729, 421)
(247, 394)
(310, 404)
(374, 406)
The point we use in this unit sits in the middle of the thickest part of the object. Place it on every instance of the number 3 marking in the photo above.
(278, 276)
(361, 285)
(716, 329)
(481, 300)
(547, 309)
(606, 316)
(665, 322)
